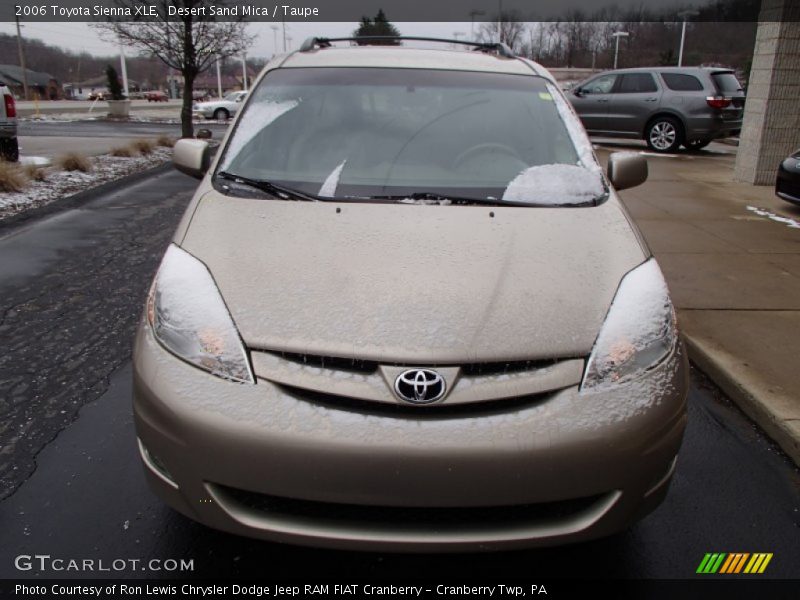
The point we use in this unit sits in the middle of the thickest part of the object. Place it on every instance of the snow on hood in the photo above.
(555, 184)
(257, 117)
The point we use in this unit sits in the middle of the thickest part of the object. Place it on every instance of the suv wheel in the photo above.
(696, 144)
(664, 134)
(9, 149)
(221, 114)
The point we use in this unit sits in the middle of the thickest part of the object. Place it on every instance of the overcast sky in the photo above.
(79, 36)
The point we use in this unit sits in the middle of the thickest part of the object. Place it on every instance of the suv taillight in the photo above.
(11, 107)
(718, 102)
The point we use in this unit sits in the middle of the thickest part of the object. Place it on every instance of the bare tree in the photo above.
(188, 43)
(511, 30)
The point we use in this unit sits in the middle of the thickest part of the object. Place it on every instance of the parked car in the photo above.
(220, 109)
(156, 96)
(406, 309)
(666, 106)
(787, 184)
(9, 146)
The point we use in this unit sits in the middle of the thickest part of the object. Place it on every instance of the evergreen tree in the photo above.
(379, 26)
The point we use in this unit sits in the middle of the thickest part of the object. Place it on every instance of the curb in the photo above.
(746, 393)
(81, 198)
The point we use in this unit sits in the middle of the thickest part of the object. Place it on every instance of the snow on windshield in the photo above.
(328, 189)
(555, 184)
(258, 116)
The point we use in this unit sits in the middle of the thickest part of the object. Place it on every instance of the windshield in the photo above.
(370, 133)
(232, 97)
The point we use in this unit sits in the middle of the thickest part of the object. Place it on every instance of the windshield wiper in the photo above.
(434, 197)
(274, 189)
(464, 201)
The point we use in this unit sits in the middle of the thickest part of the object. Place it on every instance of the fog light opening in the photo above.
(155, 465)
(663, 478)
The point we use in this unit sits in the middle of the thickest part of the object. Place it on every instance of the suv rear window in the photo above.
(726, 82)
(680, 82)
(633, 83)
(366, 133)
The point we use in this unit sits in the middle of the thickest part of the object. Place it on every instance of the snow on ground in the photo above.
(60, 184)
(166, 115)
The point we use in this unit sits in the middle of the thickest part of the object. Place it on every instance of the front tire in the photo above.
(9, 149)
(664, 134)
(221, 114)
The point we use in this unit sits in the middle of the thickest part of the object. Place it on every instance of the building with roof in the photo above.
(41, 85)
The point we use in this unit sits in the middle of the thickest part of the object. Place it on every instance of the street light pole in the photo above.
(618, 35)
(244, 72)
(685, 14)
(274, 39)
(472, 14)
(124, 69)
(219, 81)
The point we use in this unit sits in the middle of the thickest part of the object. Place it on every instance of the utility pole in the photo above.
(244, 72)
(472, 14)
(284, 33)
(22, 61)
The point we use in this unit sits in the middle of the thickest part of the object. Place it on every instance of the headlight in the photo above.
(190, 319)
(638, 332)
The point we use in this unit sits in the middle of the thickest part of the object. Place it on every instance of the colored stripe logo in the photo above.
(734, 563)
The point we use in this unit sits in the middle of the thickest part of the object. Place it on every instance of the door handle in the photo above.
(650, 99)
(602, 99)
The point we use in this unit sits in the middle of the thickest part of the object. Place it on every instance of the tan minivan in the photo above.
(406, 310)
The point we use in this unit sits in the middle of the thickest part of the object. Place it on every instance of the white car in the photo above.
(9, 147)
(220, 109)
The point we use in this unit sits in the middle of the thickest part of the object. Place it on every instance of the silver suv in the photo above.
(666, 106)
(9, 147)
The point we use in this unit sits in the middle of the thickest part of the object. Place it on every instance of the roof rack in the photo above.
(321, 42)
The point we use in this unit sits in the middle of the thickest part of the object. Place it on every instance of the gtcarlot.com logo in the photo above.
(46, 562)
(734, 563)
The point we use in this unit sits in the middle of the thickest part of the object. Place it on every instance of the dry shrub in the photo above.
(122, 151)
(165, 141)
(12, 178)
(143, 147)
(35, 173)
(74, 161)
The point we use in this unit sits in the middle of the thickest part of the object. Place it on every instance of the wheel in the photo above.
(664, 134)
(696, 144)
(221, 114)
(9, 149)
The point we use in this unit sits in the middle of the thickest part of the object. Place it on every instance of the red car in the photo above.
(156, 96)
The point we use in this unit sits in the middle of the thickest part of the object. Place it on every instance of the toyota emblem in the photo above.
(419, 386)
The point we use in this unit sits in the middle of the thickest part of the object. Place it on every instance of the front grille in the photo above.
(401, 517)
(357, 365)
(417, 411)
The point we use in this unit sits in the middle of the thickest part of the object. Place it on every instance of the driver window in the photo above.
(601, 85)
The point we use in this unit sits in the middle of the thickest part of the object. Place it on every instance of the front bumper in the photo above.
(258, 460)
(787, 183)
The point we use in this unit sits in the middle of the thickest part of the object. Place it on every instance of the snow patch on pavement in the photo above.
(762, 212)
(59, 184)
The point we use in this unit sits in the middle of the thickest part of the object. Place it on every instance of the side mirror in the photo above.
(578, 92)
(192, 157)
(626, 170)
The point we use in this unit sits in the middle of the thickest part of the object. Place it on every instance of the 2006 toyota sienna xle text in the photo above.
(407, 310)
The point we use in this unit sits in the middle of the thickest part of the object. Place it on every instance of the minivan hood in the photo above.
(414, 284)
